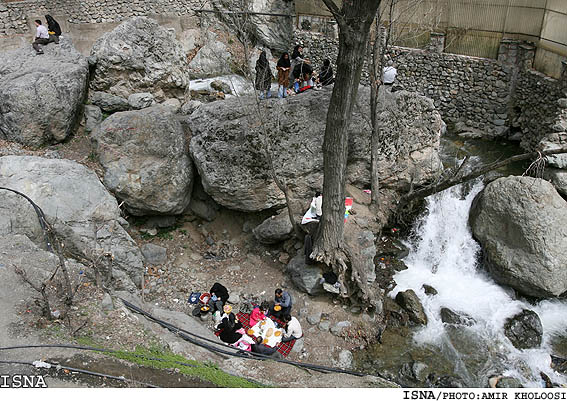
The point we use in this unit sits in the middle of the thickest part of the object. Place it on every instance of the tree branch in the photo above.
(456, 179)
(335, 11)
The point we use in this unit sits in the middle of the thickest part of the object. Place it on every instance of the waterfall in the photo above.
(444, 254)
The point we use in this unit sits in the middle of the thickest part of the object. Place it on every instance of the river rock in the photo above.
(409, 301)
(229, 154)
(93, 117)
(145, 161)
(314, 318)
(274, 229)
(108, 103)
(142, 100)
(508, 382)
(139, 55)
(82, 212)
(429, 290)
(57, 80)
(154, 254)
(305, 277)
(450, 317)
(524, 330)
(521, 223)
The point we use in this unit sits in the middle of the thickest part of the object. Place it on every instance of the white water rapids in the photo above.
(444, 255)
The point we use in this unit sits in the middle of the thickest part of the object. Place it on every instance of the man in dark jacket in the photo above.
(283, 300)
(219, 296)
(260, 348)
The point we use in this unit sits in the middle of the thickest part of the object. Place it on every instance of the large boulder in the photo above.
(82, 212)
(558, 177)
(145, 160)
(306, 278)
(107, 102)
(274, 229)
(409, 141)
(229, 152)
(41, 96)
(410, 302)
(524, 330)
(521, 223)
(140, 56)
(211, 59)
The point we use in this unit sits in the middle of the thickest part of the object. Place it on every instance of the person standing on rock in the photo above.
(263, 76)
(53, 29)
(284, 67)
(41, 37)
(282, 303)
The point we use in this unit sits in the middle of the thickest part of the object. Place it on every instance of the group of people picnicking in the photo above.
(295, 74)
(45, 35)
(231, 331)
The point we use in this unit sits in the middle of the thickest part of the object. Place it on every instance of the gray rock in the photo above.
(141, 100)
(298, 346)
(552, 143)
(233, 298)
(314, 318)
(248, 226)
(211, 60)
(154, 254)
(521, 223)
(228, 152)
(137, 56)
(508, 382)
(450, 317)
(173, 104)
(324, 325)
(524, 330)
(202, 204)
(161, 222)
(106, 303)
(93, 117)
(58, 78)
(221, 86)
(143, 154)
(338, 328)
(409, 301)
(234, 268)
(190, 106)
(305, 277)
(558, 178)
(429, 290)
(78, 207)
(345, 359)
(274, 229)
(109, 103)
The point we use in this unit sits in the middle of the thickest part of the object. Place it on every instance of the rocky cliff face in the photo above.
(41, 96)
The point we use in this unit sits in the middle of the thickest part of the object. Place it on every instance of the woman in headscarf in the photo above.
(326, 74)
(53, 29)
(284, 67)
(296, 58)
(263, 76)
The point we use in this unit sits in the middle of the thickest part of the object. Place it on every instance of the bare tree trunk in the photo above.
(354, 19)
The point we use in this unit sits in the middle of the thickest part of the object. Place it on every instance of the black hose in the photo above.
(84, 371)
(249, 355)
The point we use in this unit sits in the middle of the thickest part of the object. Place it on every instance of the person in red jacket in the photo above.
(259, 313)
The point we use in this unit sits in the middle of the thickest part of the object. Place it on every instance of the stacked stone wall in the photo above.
(470, 90)
(14, 16)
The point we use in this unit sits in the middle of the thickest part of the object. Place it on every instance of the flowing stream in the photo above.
(444, 255)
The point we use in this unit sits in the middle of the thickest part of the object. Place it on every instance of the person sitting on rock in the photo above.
(263, 349)
(53, 29)
(259, 313)
(41, 37)
(303, 72)
(219, 296)
(282, 303)
(231, 329)
(292, 329)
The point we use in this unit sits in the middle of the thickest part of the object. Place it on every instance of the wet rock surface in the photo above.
(524, 330)
(409, 301)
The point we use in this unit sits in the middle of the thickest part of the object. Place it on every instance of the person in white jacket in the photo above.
(292, 329)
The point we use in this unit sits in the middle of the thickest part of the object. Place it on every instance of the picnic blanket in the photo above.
(244, 318)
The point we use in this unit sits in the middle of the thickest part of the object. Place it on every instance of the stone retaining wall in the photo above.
(484, 95)
(14, 15)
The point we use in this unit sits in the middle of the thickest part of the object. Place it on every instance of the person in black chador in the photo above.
(219, 296)
(229, 326)
(53, 28)
(303, 72)
(263, 76)
(326, 74)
